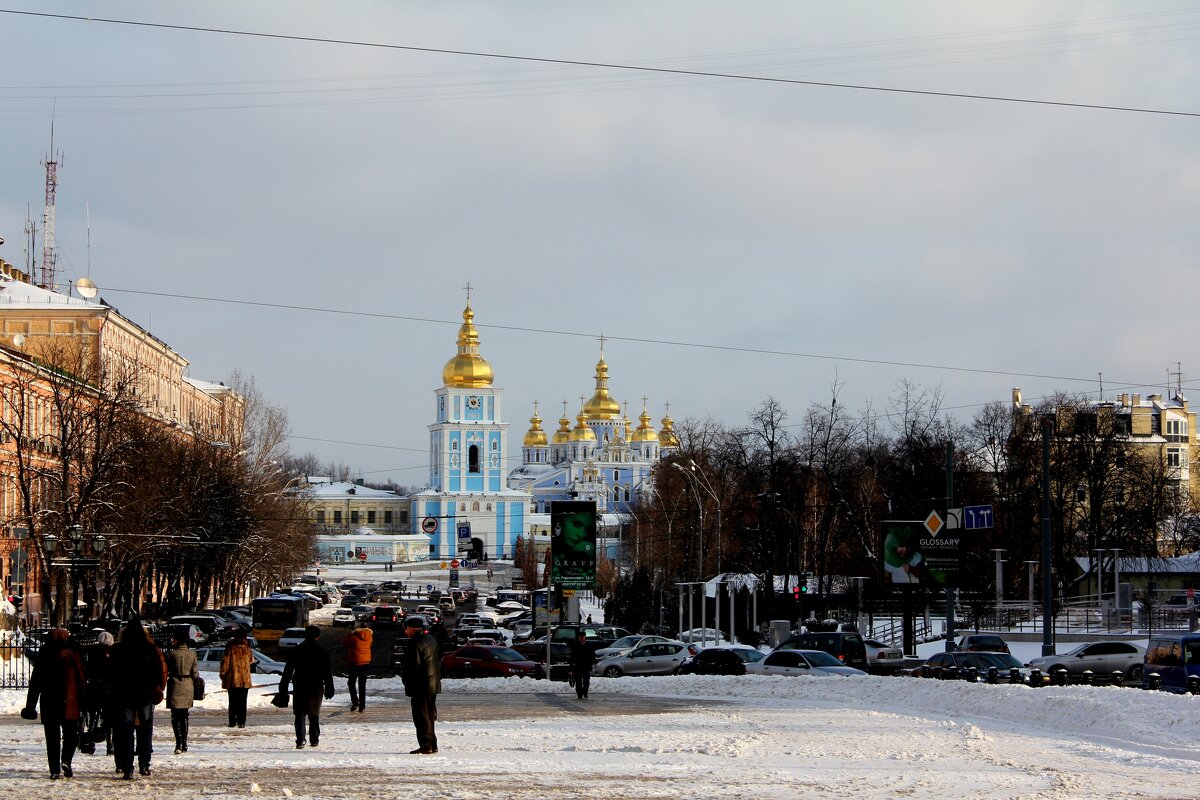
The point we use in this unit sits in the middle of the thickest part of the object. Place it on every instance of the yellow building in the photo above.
(339, 507)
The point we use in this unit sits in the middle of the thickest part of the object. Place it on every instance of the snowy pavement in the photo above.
(754, 736)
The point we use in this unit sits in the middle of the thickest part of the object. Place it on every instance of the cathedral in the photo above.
(470, 507)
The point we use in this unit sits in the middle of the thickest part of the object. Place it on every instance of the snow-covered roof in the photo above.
(1180, 565)
(15, 292)
(344, 489)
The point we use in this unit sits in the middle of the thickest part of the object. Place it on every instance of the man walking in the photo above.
(310, 673)
(357, 648)
(421, 670)
(583, 658)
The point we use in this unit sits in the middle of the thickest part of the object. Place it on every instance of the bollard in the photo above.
(1014, 675)
(1118, 678)
(1089, 677)
(1154, 681)
(971, 674)
(993, 675)
(1060, 677)
(1035, 677)
(939, 673)
(1193, 685)
(951, 673)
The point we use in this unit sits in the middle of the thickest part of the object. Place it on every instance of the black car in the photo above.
(982, 643)
(386, 617)
(958, 663)
(846, 646)
(714, 661)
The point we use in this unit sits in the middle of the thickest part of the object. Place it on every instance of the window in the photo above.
(353, 517)
(462, 507)
(321, 517)
(370, 517)
(616, 475)
(495, 444)
(1174, 457)
(488, 507)
(475, 506)
(387, 518)
(473, 459)
(337, 517)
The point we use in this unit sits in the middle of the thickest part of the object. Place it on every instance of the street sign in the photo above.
(454, 564)
(362, 555)
(429, 587)
(443, 565)
(933, 523)
(464, 530)
(454, 576)
(429, 525)
(977, 518)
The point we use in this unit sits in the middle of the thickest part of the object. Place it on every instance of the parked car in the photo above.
(597, 636)
(714, 661)
(560, 652)
(846, 646)
(343, 616)
(627, 644)
(1175, 658)
(188, 631)
(659, 658)
(350, 600)
(744, 653)
(964, 660)
(207, 623)
(882, 657)
(489, 661)
(208, 659)
(290, 638)
(816, 663)
(704, 636)
(982, 643)
(1102, 658)
(1177, 605)
(432, 615)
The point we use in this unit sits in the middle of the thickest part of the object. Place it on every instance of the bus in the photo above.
(273, 615)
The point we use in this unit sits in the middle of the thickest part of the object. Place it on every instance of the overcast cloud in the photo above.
(848, 224)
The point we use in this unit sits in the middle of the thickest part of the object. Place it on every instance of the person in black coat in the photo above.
(309, 672)
(138, 676)
(583, 658)
(58, 682)
(421, 671)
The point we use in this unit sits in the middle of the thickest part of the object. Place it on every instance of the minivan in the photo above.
(846, 646)
(1176, 659)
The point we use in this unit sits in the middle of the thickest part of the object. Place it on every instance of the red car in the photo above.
(484, 661)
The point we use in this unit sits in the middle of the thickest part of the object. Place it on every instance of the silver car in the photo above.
(627, 644)
(1101, 658)
(817, 663)
(659, 658)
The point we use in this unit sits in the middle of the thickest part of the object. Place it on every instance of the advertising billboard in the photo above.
(573, 544)
(914, 556)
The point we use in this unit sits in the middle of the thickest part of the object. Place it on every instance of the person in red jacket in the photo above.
(357, 648)
(58, 680)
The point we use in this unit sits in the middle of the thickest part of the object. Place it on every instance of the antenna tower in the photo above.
(49, 251)
(30, 242)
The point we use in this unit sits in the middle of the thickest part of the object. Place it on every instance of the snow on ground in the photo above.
(759, 736)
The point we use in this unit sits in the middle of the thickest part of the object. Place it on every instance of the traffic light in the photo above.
(796, 592)
(804, 583)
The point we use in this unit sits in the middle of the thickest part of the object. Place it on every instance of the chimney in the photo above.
(1137, 400)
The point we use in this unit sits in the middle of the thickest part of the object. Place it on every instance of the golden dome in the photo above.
(468, 369)
(536, 437)
(645, 433)
(563, 434)
(602, 405)
(666, 436)
(582, 431)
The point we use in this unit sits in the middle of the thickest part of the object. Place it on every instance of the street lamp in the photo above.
(75, 544)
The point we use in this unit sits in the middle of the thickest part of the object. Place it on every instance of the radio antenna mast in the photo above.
(49, 249)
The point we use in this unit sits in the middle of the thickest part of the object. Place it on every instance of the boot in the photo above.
(183, 733)
(175, 725)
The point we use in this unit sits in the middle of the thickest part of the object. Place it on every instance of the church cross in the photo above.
(468, 287)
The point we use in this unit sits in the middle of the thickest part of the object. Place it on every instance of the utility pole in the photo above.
(1047, 549)
(950, 590)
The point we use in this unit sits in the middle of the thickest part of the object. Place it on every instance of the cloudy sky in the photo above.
(736, 239)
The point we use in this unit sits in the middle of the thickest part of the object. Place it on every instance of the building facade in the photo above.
(340, 507)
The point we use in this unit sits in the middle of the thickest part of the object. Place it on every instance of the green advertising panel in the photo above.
(573, 544)
(913, 555)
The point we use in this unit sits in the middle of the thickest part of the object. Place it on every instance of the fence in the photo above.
(16, 661)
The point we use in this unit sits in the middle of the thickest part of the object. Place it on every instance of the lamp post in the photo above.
(700, 506)
(1047, 544)
(999, 553)
(75, 545)
(1031, 565)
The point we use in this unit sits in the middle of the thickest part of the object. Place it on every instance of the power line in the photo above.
(608, 65)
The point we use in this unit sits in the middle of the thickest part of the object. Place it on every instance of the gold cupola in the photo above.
(536, 437)
(645, 433)
(563, 434)
(666, 436)
(582, 431)
(602, 406)
(468, 369)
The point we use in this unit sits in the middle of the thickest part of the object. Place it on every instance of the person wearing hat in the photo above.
(421, 671)
(309, 672)
(58, 681)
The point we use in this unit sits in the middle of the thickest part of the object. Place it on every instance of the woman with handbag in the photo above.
(182, 674)
(235, 677)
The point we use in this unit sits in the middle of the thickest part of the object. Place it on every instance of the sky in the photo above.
(732, 239)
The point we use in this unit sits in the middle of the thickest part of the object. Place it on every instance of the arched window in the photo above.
(617, 494)
(626, 494)
(488, 507)
(462, 507)
(616, 475)
(473, 459)
(475, 506)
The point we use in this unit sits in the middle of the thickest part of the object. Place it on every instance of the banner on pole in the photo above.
(573, 544)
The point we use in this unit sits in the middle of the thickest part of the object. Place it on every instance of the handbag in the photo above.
(197, 688)
(280, 700)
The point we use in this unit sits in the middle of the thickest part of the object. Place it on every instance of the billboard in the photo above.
(573, 544)
(914, 556)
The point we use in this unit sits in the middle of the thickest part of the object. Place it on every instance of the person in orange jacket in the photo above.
(357, 648)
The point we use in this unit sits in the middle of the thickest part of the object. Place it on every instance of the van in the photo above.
(846, 646)
(1175, 657)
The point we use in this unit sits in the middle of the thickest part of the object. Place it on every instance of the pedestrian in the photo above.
(138, 676)
(235, 676)
(58, 681)
(99, 714)
(589, 619)
(421, 671)
(182, 671)
(357, 647)
(583, 658)
(310, 674)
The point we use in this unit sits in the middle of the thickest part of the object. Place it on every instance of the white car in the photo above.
(816, 663)
(343, 616)
(704, 636)
(208, 659)
(659, 658)
(290, 638)
(627, 644)
(883, 657)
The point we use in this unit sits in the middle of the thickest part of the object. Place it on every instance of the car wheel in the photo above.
(1135, 673)
(612, 672)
